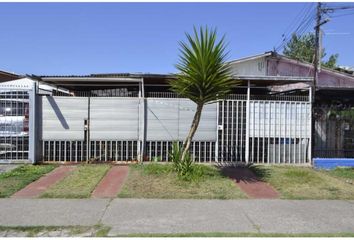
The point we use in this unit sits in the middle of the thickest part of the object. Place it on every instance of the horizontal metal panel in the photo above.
(170, 120)
(63, 118)
(280, 119)
(114, 118)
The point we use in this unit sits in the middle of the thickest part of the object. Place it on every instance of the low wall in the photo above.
(329, 163)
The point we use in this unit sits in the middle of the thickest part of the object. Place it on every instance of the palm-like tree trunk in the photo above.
(192, 130)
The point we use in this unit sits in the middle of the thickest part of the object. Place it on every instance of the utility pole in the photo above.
(316, 64)
(317, 60)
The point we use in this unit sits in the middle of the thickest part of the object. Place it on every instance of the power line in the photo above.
(342, 15)
(292, 24)
(306, 21)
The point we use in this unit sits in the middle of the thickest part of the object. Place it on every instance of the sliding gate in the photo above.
(77, 129)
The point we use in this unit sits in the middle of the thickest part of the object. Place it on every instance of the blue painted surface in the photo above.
(330, 163)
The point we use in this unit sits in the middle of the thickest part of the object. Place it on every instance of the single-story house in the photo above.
(123, 117)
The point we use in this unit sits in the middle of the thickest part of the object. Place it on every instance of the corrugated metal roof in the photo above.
(110, 75)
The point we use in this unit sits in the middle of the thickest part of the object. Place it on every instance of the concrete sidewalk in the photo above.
(183, 216)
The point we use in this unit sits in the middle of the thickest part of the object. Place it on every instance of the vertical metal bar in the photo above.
(167, 150)
(127, 151)
(259, 129)
(269, 127)
(299, 133)
(311, 127)
(280, 129)
(55, 151)
(307, 138)
(217, 132)
(227, 129)
(275, 129)
(264, 127)
(241, 133)
(82, 150)
(294, 130)
(253, 127)
(100, 150)
(95, 148)
(210, 151)
(59, 150)
(290, 112)
(111, 151)
(105, 151)
(237, 131)
(199, 148)
(32, 139)
(43, 151)
(116, 158)
(222, 131)
(155, 149)
(285, 132)
(247, 147)
(232, 131)
(64, 151)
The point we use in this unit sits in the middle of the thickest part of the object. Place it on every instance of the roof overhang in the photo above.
(92, 79)
(273, 78)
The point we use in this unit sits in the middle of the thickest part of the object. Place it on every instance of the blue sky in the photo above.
(84, 38)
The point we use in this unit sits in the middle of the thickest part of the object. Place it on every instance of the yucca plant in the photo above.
(204, 76)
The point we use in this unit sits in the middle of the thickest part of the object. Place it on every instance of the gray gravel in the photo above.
(183, 216)
(7, 167)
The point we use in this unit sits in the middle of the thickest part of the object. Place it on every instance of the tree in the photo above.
(303, 48)
(204, 77)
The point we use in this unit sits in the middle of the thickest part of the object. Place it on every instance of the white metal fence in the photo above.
(258, 129)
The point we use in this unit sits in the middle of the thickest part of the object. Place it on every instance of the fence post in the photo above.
(32, 139)
(247, 147)
(217, 131)
(311, 121)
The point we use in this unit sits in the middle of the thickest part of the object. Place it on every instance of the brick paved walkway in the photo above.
(111, 183)
(38, 187)
(250, 184)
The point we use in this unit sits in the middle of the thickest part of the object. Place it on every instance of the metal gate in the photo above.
(16, 121)
(77, 129)
(265, 131)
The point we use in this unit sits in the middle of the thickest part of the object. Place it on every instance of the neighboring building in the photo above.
(334, 92)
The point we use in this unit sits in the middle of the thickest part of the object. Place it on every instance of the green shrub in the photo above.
(185, 168)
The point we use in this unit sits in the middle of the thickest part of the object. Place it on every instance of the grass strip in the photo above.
(79, 183)
(18, 178)
(304, 183)
(160, 181)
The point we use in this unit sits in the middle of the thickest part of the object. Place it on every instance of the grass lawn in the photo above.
(306, 183)
(159, 181)
(346, 174)
(79, 184)
(65, 231)
(20, 177)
